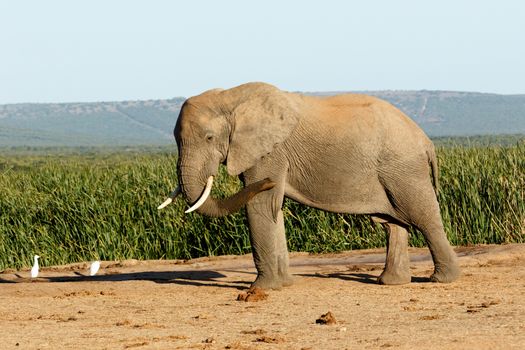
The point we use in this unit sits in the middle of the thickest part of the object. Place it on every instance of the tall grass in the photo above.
(482, 194)
(72, 207)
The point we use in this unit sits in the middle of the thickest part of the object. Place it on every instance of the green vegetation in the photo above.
(71, 207)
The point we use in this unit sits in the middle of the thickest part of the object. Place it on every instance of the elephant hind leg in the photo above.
(417, 205)
(446, 268)
(397, 264)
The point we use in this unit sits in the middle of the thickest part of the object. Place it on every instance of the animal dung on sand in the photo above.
(254, 294)
(326, 319)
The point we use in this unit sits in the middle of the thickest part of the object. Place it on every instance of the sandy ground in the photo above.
(192, 305)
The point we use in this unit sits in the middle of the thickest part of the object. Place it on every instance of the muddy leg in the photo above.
(397, 269)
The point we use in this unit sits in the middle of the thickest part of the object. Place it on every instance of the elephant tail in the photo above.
(432, 160)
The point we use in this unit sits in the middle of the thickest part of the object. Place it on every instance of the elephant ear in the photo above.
(259, 124)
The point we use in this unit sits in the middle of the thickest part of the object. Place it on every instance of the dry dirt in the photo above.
(193, 305)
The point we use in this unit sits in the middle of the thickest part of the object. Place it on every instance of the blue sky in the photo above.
(64, 51)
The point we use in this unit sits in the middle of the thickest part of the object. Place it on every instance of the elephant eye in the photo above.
(209, 137)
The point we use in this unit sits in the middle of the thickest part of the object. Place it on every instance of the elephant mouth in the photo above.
(204, 196)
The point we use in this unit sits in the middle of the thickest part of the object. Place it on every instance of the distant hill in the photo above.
(449, 113)
(128, 123)
(89, 124)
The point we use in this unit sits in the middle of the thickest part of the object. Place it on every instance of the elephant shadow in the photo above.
(359, 277)
(208, 278)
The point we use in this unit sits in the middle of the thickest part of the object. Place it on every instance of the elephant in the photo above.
(350, 153)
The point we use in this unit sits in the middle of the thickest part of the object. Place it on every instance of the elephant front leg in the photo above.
(397, 269)
(268, 240)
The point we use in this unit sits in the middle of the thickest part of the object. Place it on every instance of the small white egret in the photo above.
(34, 269)
(93, 269)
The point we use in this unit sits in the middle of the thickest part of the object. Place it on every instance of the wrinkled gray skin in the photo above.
(347, 154)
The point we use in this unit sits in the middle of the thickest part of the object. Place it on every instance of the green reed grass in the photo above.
(71, 207)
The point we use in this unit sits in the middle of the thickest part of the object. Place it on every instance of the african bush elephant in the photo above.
(347, 154)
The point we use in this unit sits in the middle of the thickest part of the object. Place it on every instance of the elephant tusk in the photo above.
(204, 196)
(172, 196)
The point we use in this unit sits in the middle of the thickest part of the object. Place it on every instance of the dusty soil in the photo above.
(193, 305)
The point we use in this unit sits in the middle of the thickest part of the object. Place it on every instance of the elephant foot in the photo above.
(445, 274)
(265, 282)
(287, 280)
(394, 277)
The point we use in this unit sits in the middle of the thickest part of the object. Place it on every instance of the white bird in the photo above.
(34, 269)
(95, 265)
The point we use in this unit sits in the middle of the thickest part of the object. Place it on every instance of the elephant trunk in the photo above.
(195, 191)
